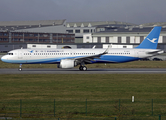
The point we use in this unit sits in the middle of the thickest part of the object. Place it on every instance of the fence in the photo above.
(83, 109)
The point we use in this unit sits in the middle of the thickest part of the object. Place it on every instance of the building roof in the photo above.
(14, 25)
(163, 24)
(129, 30)
(24, 23)
(97, 23)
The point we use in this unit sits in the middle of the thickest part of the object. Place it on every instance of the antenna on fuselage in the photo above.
(94, 47)
(110, 45)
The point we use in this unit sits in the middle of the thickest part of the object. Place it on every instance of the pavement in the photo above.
(89, 71)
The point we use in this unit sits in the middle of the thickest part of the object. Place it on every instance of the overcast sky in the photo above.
(131, 11)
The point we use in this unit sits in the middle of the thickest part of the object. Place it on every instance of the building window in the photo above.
(102, 29)
(5, 39)
(26, 40)
(141, 38)
(55, 40)
(119, 40)
(127, 39)
(45, 35)
(31, 35)
(26, 35)
(68, 36)
(59, 41)
(35, 35)
(77, 31)
(45, 40)
(55, 35)
(72, 36)
(99, 39)
(20, 34)
(5, 34)
(164, 39)
(87, 37)
(70, 31)
(40, 40)
(15, 39)
(15, 34)
(35, 40)
(107, 39)
(86, 31)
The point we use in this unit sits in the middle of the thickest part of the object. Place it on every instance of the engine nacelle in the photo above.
(67, 63)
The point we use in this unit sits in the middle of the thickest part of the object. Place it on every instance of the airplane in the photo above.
(69, 58)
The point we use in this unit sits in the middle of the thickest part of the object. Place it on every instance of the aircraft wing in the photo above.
(88, 59)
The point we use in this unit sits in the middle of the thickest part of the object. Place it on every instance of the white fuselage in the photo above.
(35, 56)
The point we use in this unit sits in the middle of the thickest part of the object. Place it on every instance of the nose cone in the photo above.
(4, 58)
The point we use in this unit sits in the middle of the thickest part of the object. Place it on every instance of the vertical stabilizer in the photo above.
(151, 41)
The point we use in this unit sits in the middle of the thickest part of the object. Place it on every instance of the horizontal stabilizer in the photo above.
(158, 52)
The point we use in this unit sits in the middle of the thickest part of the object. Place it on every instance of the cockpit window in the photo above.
(10, 53)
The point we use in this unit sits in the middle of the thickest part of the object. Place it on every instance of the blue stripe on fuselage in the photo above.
(103, 59)
(114, 59)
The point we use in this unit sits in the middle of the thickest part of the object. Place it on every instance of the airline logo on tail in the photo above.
(153, 40)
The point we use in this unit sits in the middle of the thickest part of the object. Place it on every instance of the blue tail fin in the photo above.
(151, 41)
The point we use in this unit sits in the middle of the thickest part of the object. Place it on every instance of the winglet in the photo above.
(151, 41)
(107, 50)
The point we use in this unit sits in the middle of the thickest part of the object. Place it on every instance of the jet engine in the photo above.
(67, 63)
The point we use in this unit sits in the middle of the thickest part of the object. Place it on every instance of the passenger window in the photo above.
(10, 53)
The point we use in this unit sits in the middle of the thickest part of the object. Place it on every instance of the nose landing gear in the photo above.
(20, 67)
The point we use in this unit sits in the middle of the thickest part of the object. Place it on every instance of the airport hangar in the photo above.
(62, 34)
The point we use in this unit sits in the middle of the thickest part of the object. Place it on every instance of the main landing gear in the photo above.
(20, 67)
(82, 68)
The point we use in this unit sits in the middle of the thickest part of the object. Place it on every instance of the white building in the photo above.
(120, 38)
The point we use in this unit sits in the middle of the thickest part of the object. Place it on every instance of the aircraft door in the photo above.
(136, 53)
(20, 55)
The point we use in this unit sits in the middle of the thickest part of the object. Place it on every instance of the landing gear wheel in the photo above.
(82, 68)
(20, 69)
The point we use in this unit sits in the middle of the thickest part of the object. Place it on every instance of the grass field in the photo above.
(135, 64)
(94, 87)
(82, 96)
(106, 95)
